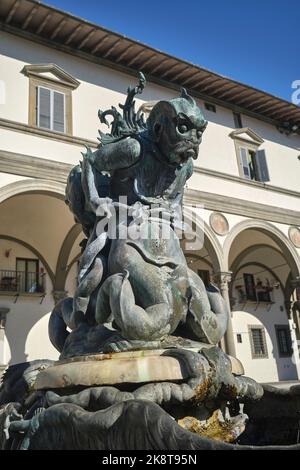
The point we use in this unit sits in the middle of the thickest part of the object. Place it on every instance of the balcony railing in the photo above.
(21, 282)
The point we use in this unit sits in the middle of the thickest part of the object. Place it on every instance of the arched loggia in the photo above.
(210, 241)
(31, 186)
(286, 247)
(61, 271)
(33, 250)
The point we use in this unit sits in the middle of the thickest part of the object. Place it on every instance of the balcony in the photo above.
(22, 283)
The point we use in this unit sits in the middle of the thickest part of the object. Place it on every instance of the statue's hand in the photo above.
(12, 416)
(102, 206)
(139, 212)
(89, 156)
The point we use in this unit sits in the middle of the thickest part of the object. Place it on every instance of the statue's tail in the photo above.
(70, 312)
(59, 321)
(116, 300)
(208, 325)
(208, 313)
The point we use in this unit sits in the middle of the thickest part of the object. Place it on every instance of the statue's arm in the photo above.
(190, 168)
(89, 185)
(116, 155)
(93, 202)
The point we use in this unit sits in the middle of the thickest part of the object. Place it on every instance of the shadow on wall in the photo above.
(26, 331)
(286, 367)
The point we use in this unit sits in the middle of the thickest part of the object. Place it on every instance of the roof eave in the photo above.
(54, 28)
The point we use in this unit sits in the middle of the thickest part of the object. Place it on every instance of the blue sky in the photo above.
(255, 42)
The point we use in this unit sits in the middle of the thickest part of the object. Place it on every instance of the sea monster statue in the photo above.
(140, 366)
(140, 281)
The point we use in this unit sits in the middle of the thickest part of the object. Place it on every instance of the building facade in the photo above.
(56, 71)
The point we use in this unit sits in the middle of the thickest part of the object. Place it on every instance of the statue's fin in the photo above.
(128, 124)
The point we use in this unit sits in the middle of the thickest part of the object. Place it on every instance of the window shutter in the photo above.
(58, 111)
(244, 162)
(258, 342)
(44, 106)
(262, 167)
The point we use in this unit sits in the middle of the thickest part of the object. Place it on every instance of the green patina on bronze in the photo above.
(138, 340)
(146, 287)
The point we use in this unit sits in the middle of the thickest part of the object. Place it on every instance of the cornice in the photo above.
(38, 132)
(244, 181)
(45, 169)
(246, 208)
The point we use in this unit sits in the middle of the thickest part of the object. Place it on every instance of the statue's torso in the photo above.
(151, 177)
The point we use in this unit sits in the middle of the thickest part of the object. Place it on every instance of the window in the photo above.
(239, 338)
(254, 164)
(204, 274)
(250, 286)
(50, 97)
(284, 341)
(257, 292)
(50, 109)
(258, 342)
(252, 161)
(210, 107)
(263, 295)
(28, 275)
(237, 120)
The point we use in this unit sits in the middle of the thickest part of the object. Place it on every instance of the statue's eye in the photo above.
(182, 128)
(199, 134)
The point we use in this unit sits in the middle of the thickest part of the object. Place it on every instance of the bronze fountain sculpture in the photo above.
(140, 366)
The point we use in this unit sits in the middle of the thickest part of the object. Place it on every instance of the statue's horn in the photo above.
(184, 94)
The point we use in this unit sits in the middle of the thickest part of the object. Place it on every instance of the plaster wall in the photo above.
(272, 368)
(103, 87)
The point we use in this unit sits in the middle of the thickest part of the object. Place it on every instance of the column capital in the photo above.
(222, 277)
(3, 312)
(59, 295)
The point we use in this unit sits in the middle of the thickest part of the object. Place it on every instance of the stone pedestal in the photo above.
(110, 369)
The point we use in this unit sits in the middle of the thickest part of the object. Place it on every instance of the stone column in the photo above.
(59, 295)
(222, 279)
(3, 313)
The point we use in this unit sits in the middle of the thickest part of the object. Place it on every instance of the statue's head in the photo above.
(177, 127)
